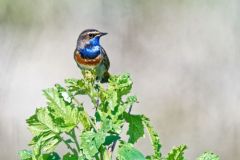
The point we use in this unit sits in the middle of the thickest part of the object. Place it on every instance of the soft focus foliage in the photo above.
(208, 156)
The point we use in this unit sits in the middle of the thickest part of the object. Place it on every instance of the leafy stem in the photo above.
(114, 144)
(74, 151)
(102, 131)
(72, 134)
(88, 117)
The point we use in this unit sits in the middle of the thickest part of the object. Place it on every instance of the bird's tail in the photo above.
(105, 77)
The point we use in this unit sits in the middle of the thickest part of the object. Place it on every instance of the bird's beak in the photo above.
(102, 34)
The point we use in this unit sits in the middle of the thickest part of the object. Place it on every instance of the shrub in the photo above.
(65, 120)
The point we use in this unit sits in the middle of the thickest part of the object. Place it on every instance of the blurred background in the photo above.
(183, 55)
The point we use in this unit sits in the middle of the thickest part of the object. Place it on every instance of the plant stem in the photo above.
(92, 97)
(69, 146)
(88, 117)
(114, 144)
(104, 154)
(75, 99)
(73, 135)
(107, 155)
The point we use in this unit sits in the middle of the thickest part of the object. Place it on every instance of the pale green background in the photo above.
(183, 55)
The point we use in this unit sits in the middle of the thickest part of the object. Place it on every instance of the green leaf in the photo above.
(208, 156)
(131, 100)
(69, 156)
(151, 158)
(177, 153)
(69, 141)
(106, 125)
(122, 107)
(90, 142)
(66, 115)
(44, 118)
(46, 133)
(46, 141)
(77, 86)
(61, 115)
(122, 84)
(126, 151)
(99, 138)
(25, 155)
(41, 122)
(154, 138)
(136, 128)
(110, 139)
(51, 156)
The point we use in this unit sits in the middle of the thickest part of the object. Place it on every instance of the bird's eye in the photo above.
(91, 35)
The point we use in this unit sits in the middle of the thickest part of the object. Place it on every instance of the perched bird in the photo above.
(89, 54)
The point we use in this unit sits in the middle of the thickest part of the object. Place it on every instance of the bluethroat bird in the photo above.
(89, 54)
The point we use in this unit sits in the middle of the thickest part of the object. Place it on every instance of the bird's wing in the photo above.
(105, 61)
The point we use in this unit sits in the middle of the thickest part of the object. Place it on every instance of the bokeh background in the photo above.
(183, 55)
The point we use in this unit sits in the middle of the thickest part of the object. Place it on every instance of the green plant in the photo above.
(89, 137)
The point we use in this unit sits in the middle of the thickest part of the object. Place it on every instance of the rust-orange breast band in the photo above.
(89, 62)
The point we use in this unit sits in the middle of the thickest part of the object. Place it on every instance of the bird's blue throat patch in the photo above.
(91, 49)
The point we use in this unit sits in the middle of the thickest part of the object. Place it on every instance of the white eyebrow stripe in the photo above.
(93, 32)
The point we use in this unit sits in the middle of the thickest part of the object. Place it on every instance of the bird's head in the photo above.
(89, 38)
